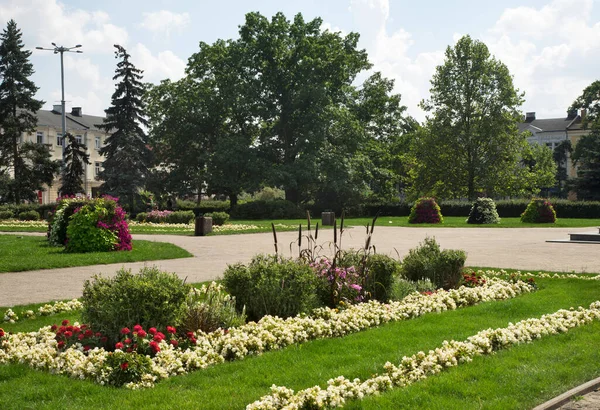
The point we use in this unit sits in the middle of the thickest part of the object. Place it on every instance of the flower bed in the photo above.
(41, 351)
(46, 310)
(15, 223)
(422, 365)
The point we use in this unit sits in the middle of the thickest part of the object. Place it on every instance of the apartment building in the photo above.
(84, 128)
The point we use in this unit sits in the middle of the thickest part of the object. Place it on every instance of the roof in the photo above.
(548, 124)
(53, 119)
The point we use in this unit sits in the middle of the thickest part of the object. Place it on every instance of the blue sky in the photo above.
(551, 47)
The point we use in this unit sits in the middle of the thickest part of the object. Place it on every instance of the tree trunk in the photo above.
(17, 169)
(233, 200)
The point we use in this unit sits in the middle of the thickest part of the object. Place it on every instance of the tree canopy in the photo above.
(470, 143)
(24, 167)
(76, 157)
(127, 153)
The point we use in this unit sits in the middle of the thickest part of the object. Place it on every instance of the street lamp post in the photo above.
(62, 50)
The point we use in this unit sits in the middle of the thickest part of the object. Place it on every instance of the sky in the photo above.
(552, 48)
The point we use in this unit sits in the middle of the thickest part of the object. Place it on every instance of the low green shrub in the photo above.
(206, 205)
(210, 308)
(401, 288)
(539, 211)
(275, 209)
(151, 298)
(427, 261)
(483, 212)
(271, 285)
(5, 215)
(29, 216)
(425, 211)
(218, 218)
(141, 217)
(180, 217)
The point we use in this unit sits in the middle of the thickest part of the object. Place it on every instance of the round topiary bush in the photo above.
(483, 211)
(5, 215)
(425, 211)
(539, 211)
(29, 216)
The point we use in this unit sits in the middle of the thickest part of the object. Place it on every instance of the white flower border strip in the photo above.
(46, 310)
(520, 275)
(422, 365)
(39, 349)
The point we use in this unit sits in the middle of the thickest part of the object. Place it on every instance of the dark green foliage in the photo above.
(127, 367)
(275, 209)
(425, 210)
(539, 211)
(272, 285)
(127, 143)
(179, 217)
(6, 215)
(151, 298)
(427, 261)
(218, 218)
(29, 216)
(141, 217)
(59, 221)
(207, 205)
(483, 212)
(31, 163)
(72, 175)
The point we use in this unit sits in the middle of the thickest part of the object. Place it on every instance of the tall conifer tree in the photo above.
(72, 175)
(127, 155)
(30, 164)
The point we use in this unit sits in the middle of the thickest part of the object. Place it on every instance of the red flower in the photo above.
(98, 334)
(193, 340)
(81, 336)
(53, 328)
(68, 334)
(171, 329)
(142, 333)
(152, 331)
(137, 328)
(127, 341)
(154, 346)
(104, 339)
(1, 332)
(89, 333)
(119, 345)
(60, 344)
(76, 329)
(65, 322)
(190, 335)
(86, 348)
(69, 328)
(124, 366)
(125, 331)
(174, 342)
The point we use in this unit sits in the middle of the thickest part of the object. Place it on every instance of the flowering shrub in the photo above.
(338, 284)
(199, 350)
(151, 298)
(59, 220)
(157, 216)
(483, 211)
(539, 211)
(422, 365)
(425, 211)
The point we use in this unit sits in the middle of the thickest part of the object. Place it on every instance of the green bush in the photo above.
(126, 367)
(85, 236)
(483, 212)
(271, 285)
(179, 217)
(539, 211)
(141, 217)
(5, 215)
(152, 298)
(218, 218)
(275, 209)
(425, 211)
(59, 221)
(29, 216)
(206, 205)
(210, 308)
(427, 261)
(401, 288)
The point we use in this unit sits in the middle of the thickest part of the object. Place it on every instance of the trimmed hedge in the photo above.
(207, 205)
(275, 209)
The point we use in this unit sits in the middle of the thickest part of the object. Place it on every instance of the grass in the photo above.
(283, 225)
(518, 378)
(21, 253)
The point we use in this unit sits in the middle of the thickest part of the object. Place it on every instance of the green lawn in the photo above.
(518, 378)
(21, 253)
(282, 225)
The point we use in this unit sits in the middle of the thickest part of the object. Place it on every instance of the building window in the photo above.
(97, 168)
(79, 139)
(59, 139)
(98, 142)
(40, 137)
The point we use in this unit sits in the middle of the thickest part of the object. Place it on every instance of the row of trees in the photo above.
(279, 106)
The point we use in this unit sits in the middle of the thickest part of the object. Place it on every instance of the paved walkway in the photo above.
(519, 248)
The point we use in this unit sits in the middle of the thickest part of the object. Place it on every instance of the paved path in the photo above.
(519, 248)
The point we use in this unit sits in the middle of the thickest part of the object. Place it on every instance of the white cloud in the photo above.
(164, 21)
(164, 65)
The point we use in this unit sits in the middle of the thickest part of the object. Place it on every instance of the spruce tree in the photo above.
(72, 174)
(127, 156)
(25, 167)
